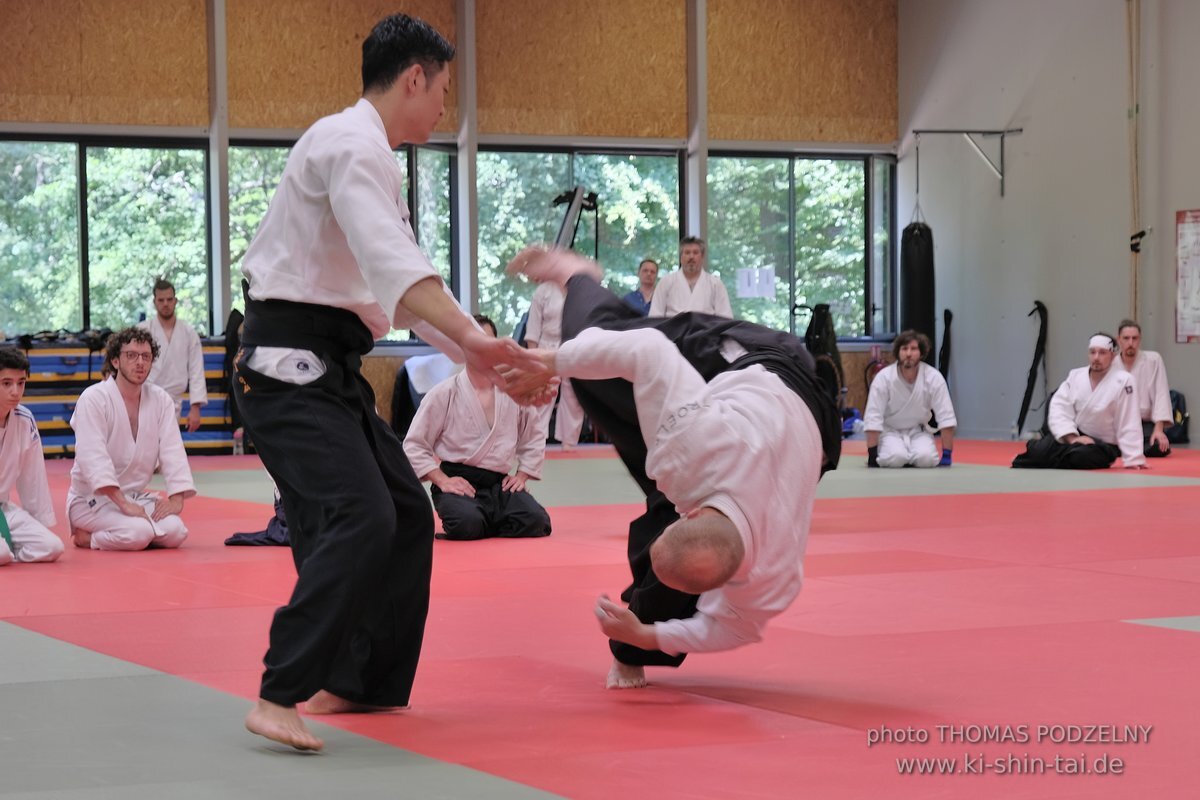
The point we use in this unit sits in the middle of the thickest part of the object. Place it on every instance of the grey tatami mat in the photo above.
(76, 724)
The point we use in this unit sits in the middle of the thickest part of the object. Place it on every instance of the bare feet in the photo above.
(81, 538)
(540, 264)
(324, 702)
(281, 724)
(625, 676)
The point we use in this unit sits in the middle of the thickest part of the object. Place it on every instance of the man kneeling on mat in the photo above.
(1099, 400)
(721, 420)
(463, 439)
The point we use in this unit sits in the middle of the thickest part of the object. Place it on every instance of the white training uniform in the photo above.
(674, 296)
(744, 444)
(544, 326)
(1109, 413)
(1150, 386)
(23, 473)
(450, 426)
(179, 367)
(106, 454)
(900, 411)
(350, 175)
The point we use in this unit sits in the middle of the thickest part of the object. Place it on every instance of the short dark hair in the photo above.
(1128, 323)
(163, 285)
(395, 44)
(12, 358)
(484, 319)
(693, 240)
(647, 261)
(911, 336)
(116, 341)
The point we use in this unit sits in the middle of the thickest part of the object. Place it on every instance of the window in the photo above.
(146, 218)
(432, 209)
(638, 217)
(39, 237)
(805, 218)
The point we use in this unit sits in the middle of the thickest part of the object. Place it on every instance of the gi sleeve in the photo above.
(940, 400)
(721, 305)
(531, 442)
(1061, 416)
(1161, 408)
(172, 458)
(658, 301)
(426, 429)
(877, 402)
(533, 326)
(91, 422)
(722, 628)
(32, 484)
(197, 385)
(1129, 426)
(364, 194)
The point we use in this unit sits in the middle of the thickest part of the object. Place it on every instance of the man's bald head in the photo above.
(698, 554)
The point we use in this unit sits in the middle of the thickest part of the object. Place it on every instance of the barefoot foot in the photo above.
(556, 266)
(625, 676)
(281, 724)
(81, 538)
(324, 702)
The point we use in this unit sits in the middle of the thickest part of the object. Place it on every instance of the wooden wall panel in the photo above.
(292, 62)
(582, 67)
(115, 62)
(802, 70)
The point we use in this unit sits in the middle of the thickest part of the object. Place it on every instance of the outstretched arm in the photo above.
(429, 301)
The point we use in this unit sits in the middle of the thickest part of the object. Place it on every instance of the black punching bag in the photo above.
(917, 301)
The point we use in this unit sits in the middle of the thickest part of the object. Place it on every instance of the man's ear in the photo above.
(414, 79)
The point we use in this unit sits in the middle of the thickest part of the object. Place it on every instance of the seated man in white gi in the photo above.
(691, 287)
(124, 426)
(1093, 417)
(25, 533)
(464, 438)
(738, 456)
(902, 397)
(1149, 386)
(179, 365)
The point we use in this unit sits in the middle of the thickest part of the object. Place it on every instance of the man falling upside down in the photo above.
(721, 421)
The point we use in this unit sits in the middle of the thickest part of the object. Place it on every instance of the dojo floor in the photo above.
(970, 598)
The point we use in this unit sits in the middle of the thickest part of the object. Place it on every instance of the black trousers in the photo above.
(493, 511)
(1048, 453)
(610, 406)
(1151, 449)
(360, 525)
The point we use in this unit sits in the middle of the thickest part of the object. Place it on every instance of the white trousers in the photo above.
(569, 421)
(914, 446)
(113, 530)
(32, 540)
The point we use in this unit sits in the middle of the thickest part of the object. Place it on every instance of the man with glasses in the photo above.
(125, 426)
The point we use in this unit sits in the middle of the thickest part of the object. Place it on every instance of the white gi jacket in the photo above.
(1150, 386)
(106, 454)
(1108, 414)
(23, 468)
(450, 426)
(673, 296)
(895, 405)
(545, 316)
(338, 231)
(744, 444)
(180, 363)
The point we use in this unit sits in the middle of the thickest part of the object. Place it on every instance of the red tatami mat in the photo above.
(926, 615)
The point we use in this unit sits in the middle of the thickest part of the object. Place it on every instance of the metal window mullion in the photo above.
(793, 232)
(85, 280)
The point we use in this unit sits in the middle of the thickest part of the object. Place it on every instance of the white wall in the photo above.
(1057, 69)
